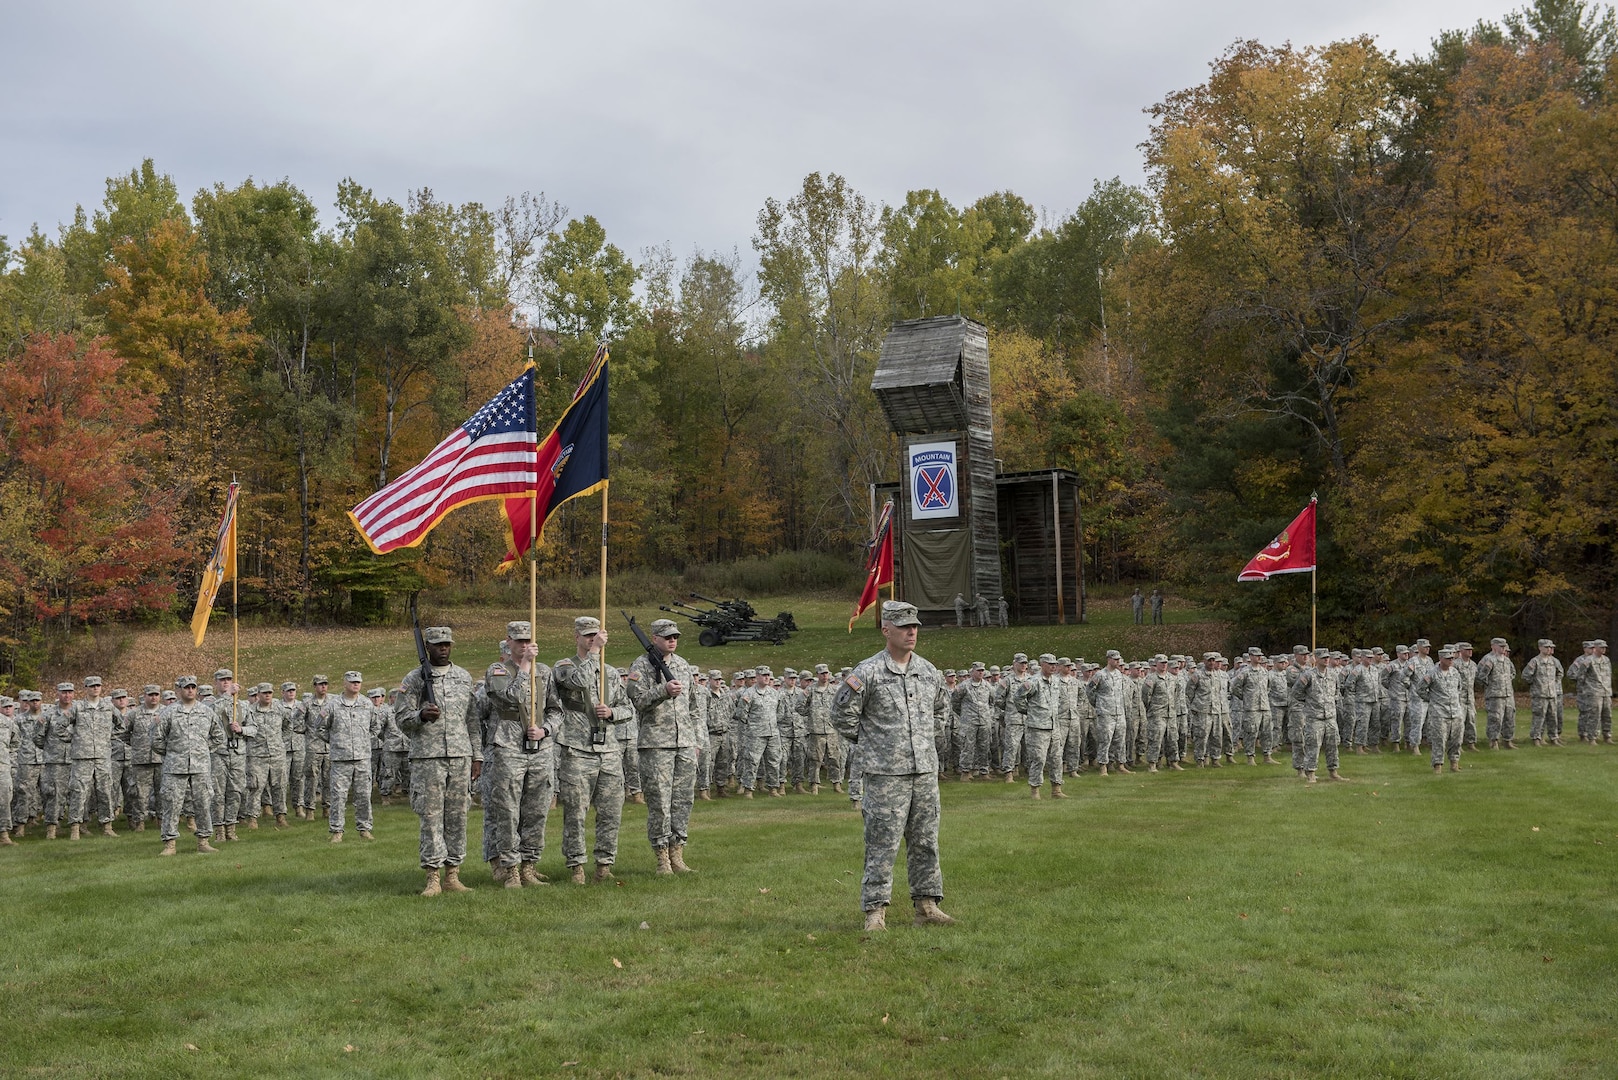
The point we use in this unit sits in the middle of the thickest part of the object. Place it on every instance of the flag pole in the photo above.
(1313, 569)
(533, 578)
(235, 623)
(603, 664)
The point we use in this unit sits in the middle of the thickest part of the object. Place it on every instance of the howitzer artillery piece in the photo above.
(732, 620)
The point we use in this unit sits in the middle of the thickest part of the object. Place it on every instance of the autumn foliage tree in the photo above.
(86, 534)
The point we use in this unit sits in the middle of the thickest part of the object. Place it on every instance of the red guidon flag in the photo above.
(1293, 552)
(878, 565)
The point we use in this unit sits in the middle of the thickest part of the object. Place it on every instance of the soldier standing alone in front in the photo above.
(890, 707)
(442, 748)
(667, 746)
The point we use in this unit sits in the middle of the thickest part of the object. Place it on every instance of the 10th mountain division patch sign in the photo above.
(933, 487)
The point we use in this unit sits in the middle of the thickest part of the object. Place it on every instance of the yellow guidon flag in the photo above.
(220, 569)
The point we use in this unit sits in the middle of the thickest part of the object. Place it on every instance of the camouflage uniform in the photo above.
(591, 771)
(758, 707)
(266, 759)
(1203, 686)
(975, 698)
(1015, 726)
(395, 754)
(441, 752)
(230, 776)
(10, 745)
(892, 715)
(118, 772)
(668, 746)
(349, 727)
(90, 770)
(714, 766)
(1592, 688)
(54, 737)
(140, 729)
(1496, 674)
(1544, 675)
(1107, 692)
(1395, 691)
(1157, 694)
(186, 738)
(27, 799)
(295, 732)
(317, 751)
(1314, 704)
(519, 780)
(1037, 700)
(790, 724)
(1415, 708)
(820, 737)
(1442, 689)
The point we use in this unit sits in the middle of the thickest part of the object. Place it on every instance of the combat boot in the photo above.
(1033, 792)
(928, 912)
(20, 831)
(433, 887)
(1121, 767)
(1269, 757)
(1537, 741)
(5, 838)
(797, 788)
(1176, 766)
(1335, 775)
(50, 832)
(838, 787)
(677, 859)
(191, 823)
(721, 791)
(252, 822)
(1010, 775)
(578, 874)
(1510, 745)
(513, 877)
(106, 829)
(814, 789)
(663, 867)
(230, 832)
(1455, 766)
(1058, 793)
(1152, 767)
(139, 824)
(639, 798)
(778, 792)
(452, 880)
(603, 872)
(280, 821)
(365, 834)
(966, 778)
(73, 831)
(704, 795)
(205, 848)
(531, 876)
(1103, 769)
(497, 871)
(1494, 744)
(876, 919)
(336, 838)
(1438, 768)
(747, 793)
(168, 848)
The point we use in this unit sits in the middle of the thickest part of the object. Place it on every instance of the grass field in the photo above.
(1230, 923)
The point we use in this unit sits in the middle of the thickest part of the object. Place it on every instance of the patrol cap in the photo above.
(353, 676)
(1322, 652)
(519, 630)
(762, 670)
(1160, 659)
(665, 628)
(439, 635)
(151, 688)
(1401, 648)
(184, 681)
(1020, 658)
(994, 669)
(822, 669)
(715, 673)
(977, 665)
(92, 680)
(1423, 643)
(1446, 653)
(587, 624)
(1546, 643)
(118, 693)
(1498, 641)
(1459, 645)
(1068, 660)
(264, 688)
(791, 673)
(1600, 643)
(64, 687)
(1047, 658)
(168, 695)
(1300, 650)
(5, 701)
(205, 691)
(1376, 650)
(1254, 650)
(289, 686)
(1114, 654)
(377, 692)
(224, 673)
(1205, 656)
(899, 613)
(29, 695)
(1588, 645)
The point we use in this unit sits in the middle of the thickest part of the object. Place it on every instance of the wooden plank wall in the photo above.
(1030, 559)
(978, 461)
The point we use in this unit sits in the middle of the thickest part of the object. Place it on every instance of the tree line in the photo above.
(1389, 281)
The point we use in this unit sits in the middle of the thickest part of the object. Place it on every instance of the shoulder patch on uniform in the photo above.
(498, 669)
(634, 676)
(854, 682)
(568, 660)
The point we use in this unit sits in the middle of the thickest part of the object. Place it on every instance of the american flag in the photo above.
(491, 456)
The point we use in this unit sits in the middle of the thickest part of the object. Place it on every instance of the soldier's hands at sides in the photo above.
(477, 769)
(430, 712)
(603, 712)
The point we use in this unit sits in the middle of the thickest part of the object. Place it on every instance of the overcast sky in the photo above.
(669, 122)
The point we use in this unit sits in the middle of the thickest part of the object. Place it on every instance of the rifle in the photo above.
(421, 654)
(653, 654)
